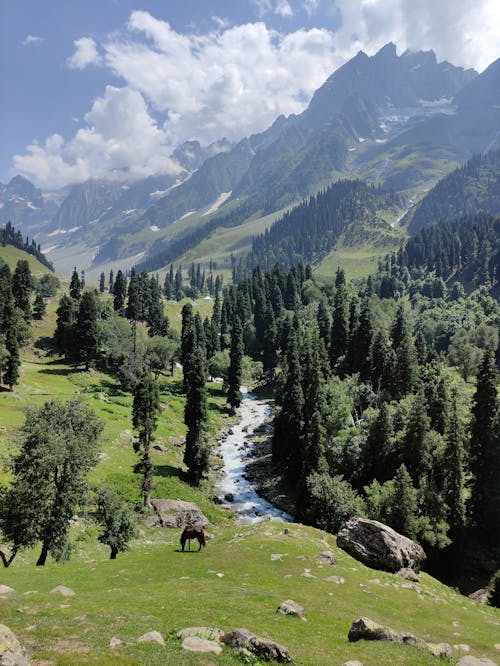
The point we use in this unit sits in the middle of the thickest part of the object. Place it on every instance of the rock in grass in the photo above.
(63, 591)
(408, 574)
(469, 660)
(115, 642)
(352, 662)
(260, 647)
(209, 633)
(335, 579)
(12, 653)
(367, 629)
(290, 607)
(152, 637)
(5, 589)
(327, 557)
(479, 595)
(176, 513)
(379, 546)
(197, 644)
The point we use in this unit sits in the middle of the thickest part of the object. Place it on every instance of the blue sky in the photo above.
(110, 87)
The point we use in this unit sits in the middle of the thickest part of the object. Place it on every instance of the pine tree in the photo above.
(145, 410)
(188, 340)
(416, 453)
(287, 444)
(485, 448)
(235, 365)
(86, 329)
(39, 307)
(111, 282)
(120, 293)
(405, 504)
(75, 286)
(339, 336)
(197, 453)
(377, 450)
(9, 329)
(453, 463)
(360, 345)
(66, 316)
(102, 283)
(22, 286)
(405, 365)
(379, 360)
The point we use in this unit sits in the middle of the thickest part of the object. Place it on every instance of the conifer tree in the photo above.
(485, 448)
(287, 443)
(416, 453)
(111, 282)
(405, 504)
(39, 307)
(188, 340)
(75, 286)
(66, 316)
(405, 361)
(324, 322)
(145, 410)
(22, 286)
(86, 330)
(9, 329)
(453, 464)
(379, 360)
(376, 453)
(119, 293)
(339, 336)
(102, 283)
(360, 345)
(197, 453)
(235, 365)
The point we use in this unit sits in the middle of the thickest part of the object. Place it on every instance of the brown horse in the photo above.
(193, 532)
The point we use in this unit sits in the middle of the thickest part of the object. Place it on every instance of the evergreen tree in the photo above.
(405, 361)
(188, 340)
(453, 463)
(119, 293)
(379, 360)
(339, 336)
(359, 357)
(102, 283)
(111, 282)
(235, 365)
(404, 507)
(86, 330)
(75, 286)
(8, 329)
(287, 444)
(39, 307)
(377, 449)
(197, 453)
(416, 453)
(145, 410)
(485, 449)
(65, 320)
(22, 286)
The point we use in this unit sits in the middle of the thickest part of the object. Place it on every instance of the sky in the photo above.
(108, 88)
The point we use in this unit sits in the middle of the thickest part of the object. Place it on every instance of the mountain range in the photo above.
(399, 122)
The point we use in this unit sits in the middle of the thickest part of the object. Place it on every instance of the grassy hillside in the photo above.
(11, 255)
(154, 587)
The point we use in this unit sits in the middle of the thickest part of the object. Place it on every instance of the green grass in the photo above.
(154, 587)
(11, 255)
(357, 262)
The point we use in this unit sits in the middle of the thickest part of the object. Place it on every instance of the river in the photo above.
(248, 506)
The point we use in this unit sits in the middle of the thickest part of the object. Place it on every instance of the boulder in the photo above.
(367, 629)
(229, 497)
(379, 546)
(197, 644)
(208, 633)
(115, 642)
(63, 591)
(5, 589)
(12, 653)
(176, 513)
(469, 660)
(152, 637)
(260, 647)
(290, 607)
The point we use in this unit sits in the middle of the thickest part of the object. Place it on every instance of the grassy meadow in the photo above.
(234, 582)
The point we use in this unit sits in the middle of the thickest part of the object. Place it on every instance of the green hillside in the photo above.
(11, 255)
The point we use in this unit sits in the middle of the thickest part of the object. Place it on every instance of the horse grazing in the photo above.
(193, 532)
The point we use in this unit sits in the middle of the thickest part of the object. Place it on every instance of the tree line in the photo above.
(9, 236)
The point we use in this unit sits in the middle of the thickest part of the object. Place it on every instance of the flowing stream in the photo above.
(249, 507)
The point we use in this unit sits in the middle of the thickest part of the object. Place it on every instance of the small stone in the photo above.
(5, 589)
(352, 662)
(327, 557)
(497, 646)
(229, 497)
(307, 574)
(469, 660)
(219, 575)
(63, 591)
(276, 556)
(409, 574)
(290, 607)
(463, 647)
(335, 579)
(196, 644)
(152, 637)
(115, 642)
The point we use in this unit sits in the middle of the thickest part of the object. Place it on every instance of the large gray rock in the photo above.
(12, 652)
(379, 546)
(260, 647)
(372, 631)
(197, 644)
(290, 607)
(176, 513)
(469, 660)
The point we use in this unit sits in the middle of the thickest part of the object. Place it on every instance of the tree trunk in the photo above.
(114, 553)
(7, 561)
(43, 555)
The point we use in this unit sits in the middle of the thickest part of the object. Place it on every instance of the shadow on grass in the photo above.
(222, 409)
(168, 472)
(172, 387)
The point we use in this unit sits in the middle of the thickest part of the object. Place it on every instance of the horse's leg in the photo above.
(189, 544)
(183, 543)
(200, 545)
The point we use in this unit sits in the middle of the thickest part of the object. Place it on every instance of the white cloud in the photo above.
(120, 140)
(85, 54)
(463, 32)
(310, 6)
(283, 8)
(32, 39)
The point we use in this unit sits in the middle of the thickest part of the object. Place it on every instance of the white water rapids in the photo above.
(249, 507)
